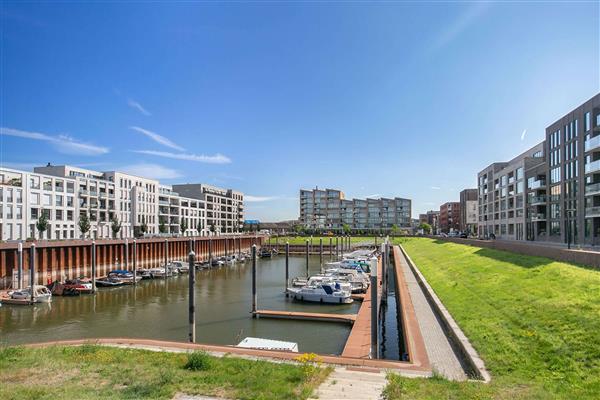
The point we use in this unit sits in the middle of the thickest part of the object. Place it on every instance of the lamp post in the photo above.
(568, 215)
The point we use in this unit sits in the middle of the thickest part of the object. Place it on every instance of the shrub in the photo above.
(198, 361)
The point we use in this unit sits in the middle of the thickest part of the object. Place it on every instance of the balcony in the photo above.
(538, 217)
(163, 202)
(592, 143)
(537, 200)
(537, 184)
(592, 189)
(594, 166)
(592, 212)
(83, 192)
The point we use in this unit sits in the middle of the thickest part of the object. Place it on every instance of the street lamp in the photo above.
(568, 214)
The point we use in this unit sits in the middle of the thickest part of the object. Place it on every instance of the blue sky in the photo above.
(377, 99)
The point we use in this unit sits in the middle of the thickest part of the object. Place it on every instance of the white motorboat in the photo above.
(321, 293)
(360, 280)
(41, 294)
(180, 266)
(319, 279)
(268, 344)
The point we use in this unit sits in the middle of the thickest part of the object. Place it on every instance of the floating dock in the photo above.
(308, 316)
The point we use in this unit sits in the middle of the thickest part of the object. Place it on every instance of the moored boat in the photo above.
(41, 294)
(321, 293)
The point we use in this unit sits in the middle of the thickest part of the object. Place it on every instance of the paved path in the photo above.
(442, 357)
(347, 384)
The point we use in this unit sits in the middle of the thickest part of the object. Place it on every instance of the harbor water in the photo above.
(158, 309)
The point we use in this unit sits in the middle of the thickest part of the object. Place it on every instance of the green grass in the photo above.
(315, 240)
(97, 372)
(534, 321)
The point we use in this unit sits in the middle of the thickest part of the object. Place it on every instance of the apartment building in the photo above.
(328, 209)
(551, 193)
(502, 190)
(468, 211)
(66, 193)
(449, 217)
(432, 218)
(224, 207)
(571, 200)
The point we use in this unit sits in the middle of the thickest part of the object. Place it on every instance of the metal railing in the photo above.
(592, 188)
(592, 143)
(592, 167)
(592, 211)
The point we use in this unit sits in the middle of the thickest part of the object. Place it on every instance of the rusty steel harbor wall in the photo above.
(57, 260)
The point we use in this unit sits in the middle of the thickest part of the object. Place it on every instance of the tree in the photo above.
(213, 229)
(42, 223)
(199, 227)
(426, 227)
(144, 226)
(183, 226)
(346, 229)
(115, 226)
(84, 224)
(394, 230)
(162, 228)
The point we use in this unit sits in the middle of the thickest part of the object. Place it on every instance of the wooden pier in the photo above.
(307, 316)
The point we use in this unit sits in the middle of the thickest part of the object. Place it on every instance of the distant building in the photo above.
(64, 194)
(449, 217)
(328, 209)
(468, 211)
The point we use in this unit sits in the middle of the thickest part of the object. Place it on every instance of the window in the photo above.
(34, 213)
(555, 175)
(59, 215)
(19, 196)
(555, 228)
(520, 173)
(19, 212)
(47, 200)
(587, 122)
(47, 184)
(69, 201)
(59, 186)
(70, 187)
(35, 199)
(34, 182)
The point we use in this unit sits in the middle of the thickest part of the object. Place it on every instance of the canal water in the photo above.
(158, 309)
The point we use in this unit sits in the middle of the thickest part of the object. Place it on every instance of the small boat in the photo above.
(321, 293)
(126, 277)
(268, 344)
(216, 262)
(144, 273)
(109, 282)
(265, 253)
(320, 279)
(179, 266)
(41, 294)
(62, 289)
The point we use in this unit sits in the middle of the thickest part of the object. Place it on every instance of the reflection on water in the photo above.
(158, 309)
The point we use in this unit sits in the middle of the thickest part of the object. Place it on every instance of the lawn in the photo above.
(534, 321)
(97, 372)
(315, 240)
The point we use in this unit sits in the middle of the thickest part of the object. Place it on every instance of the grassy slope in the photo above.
(535, 322)
(92, 372)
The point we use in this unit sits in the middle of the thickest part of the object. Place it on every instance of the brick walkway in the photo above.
(442, 357)
(346, 384)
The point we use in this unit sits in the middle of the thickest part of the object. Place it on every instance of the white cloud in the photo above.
(435, 188)
(256, 199)
(134, 104)
(462, 23)
(523, 134)
(214, 159)
(154, 171)
(157, 138)
(63, 143)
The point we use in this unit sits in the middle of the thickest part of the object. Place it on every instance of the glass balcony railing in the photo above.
(538, 217)
(593, 143)
(594, 166)
(592, 189)
(592, 212)
(537, 184)
(537, 200)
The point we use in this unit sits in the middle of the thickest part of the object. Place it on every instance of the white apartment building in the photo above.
(224, 207)
(64, 193)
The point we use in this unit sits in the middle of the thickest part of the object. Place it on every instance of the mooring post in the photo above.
(226, 247)
(240, 247)
(93, 266)
(166, 257)
(374, 311)
(306, 258)
(20, 264)
(210, 252)
(330, 248)
(383, 272)
(32, 270)
(287, 267)
(321, 253)
(126, 254)
(192, 300)
(337, 248)
(254, 280)
(134, 255)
